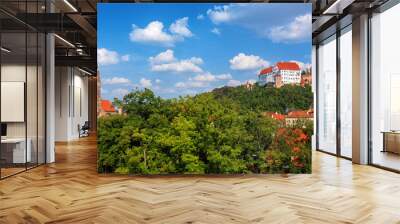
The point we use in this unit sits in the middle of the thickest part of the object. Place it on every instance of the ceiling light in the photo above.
(330, 8)
(70, 5)
(5, 50)
(65, 41)
(337, 7)
(79, 51)
(84, 71)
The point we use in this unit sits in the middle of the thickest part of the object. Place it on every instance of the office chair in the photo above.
(84, 130)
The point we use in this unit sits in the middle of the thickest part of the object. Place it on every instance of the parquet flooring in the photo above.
(70, 191)
(11, 170)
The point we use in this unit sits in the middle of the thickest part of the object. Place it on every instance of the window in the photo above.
(385, 89)
(326, 105)
(346, 92)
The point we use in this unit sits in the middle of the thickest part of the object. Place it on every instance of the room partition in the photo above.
(22, 77)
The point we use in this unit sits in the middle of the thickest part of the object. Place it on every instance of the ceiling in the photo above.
(73, 21)
(332, 15)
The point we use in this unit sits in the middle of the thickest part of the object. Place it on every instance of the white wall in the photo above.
(81, 105)
(33, 126)
(16, 73)
(290, 77)
(62, 82)
(71, 102)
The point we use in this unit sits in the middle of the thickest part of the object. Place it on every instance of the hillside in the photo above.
(268, 98)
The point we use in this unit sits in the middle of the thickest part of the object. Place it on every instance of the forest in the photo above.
(217, 132)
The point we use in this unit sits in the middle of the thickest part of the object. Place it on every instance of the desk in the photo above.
(391, 141)
(16, 147)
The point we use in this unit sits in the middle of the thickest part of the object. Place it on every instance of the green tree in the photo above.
(216, 132)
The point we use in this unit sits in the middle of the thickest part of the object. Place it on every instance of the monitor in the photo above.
(3, 129)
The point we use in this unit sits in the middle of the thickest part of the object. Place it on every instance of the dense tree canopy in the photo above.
(286, 98)
(216, 132)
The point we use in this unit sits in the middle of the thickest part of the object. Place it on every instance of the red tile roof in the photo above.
(301, 114)
(288, 66)
(106, 106)
(276, 115)
(266, 71)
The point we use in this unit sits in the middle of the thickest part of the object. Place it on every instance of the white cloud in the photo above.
(180, 27)
(126, 57)
(220, 14)
(216, 31)
(297, 30)
(207, 77)
(233, 82)
(247, 62)
(196, 60)
(180, 85)
(202, 80)
(119, 92)
(155, 33)
(152, 33)
(224, 76)
(116, 80)
(107, 57)
(166, 56)
(158, 81)
(195, 84)
(145, 83)
(166, 62)
(191, 84)
(262, 19)
(179, 66)
(302, 65)
(200, 17)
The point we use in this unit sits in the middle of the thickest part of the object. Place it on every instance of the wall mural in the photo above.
(204, 88)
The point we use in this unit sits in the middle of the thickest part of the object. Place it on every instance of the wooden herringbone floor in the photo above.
(70, 191)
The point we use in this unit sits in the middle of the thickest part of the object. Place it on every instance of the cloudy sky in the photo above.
(180, 49)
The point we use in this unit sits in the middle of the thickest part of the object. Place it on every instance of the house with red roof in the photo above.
(283, 73)
(106, 108)
(293, 116)
(266, 76)
(274, 115)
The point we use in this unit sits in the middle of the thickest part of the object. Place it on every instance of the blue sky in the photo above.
(180, 49)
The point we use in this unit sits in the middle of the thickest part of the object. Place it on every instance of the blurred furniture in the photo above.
(13, 150)
(391, 141)
(84, 130)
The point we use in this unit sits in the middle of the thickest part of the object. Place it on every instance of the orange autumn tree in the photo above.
(289, 152)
